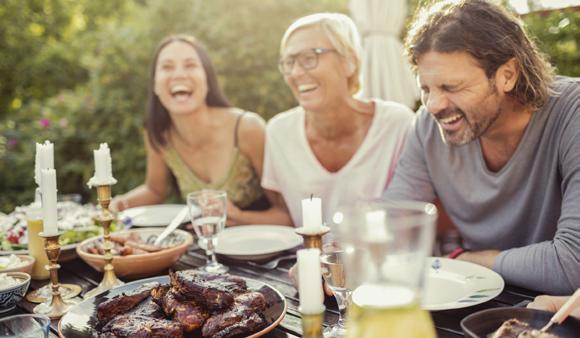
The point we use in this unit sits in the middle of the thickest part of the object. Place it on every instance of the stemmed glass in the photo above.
(332, 267)
(23, 326)
(207, 209)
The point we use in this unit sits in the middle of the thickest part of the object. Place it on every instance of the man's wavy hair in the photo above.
(491, 35)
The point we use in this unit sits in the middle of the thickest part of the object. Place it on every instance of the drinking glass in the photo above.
(332, 264)
(207, 209)
(25, 326)
(385, 245)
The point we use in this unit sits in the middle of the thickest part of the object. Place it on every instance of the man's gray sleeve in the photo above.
(554, 266)
(412, 180)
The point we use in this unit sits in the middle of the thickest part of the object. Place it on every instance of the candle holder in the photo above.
(110, 280)
(57, 307)
(312, 324)
(312, 239)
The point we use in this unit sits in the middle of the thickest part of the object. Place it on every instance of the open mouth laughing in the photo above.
(181, 92)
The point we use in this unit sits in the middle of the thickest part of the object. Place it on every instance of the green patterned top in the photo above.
(241, 181)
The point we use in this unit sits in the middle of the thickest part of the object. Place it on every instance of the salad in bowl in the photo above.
(76, 222)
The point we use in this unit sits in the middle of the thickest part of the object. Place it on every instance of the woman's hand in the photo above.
(233, 214)
(118, 203)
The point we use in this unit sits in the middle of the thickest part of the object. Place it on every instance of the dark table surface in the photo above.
(446, 322)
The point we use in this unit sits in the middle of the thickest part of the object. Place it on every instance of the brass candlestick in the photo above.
(57, 307)
(313, 239)
(312, 324)
(110, 280)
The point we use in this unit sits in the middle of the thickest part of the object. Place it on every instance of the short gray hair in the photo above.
(343, 35)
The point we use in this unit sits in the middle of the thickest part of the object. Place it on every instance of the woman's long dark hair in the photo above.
(157, 120)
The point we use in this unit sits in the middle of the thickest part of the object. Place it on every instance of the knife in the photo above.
(175, 222)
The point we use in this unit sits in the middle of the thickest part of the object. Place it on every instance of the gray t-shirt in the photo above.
(530, 209)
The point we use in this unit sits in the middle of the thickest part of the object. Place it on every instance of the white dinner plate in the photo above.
(256, 242)
(458, 284)
(152, 215)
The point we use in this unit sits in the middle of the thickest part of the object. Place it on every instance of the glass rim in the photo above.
(213, 192)
(26, 315)
(425, 208)
(417, 209)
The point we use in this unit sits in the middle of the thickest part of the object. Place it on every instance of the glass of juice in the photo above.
(385, 244)
(36, 243)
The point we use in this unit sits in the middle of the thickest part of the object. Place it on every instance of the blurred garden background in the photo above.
(76, 72)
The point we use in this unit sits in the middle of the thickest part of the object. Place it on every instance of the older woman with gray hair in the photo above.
(333, 145)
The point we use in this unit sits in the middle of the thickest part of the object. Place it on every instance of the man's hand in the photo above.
(485, 258)
(552, 304)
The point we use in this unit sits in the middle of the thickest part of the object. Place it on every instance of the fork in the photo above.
(273, 263)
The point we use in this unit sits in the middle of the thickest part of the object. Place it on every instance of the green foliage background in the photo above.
(76, 72)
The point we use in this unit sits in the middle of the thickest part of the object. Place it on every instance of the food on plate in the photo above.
(124, 245)
(207, 305)
(513, 328)
(8, 281)
(77, 223)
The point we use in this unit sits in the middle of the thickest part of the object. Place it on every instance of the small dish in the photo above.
(255, 242)
(144, 265)
(484, 323)
(25, 265)
(151, 215)
(13, 294)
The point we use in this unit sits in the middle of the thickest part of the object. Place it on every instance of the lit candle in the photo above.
(312, 215)
(44, 159)
(48, 188)
(310, 281)
(103, 168)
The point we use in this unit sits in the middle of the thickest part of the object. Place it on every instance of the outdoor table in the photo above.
(446, 322)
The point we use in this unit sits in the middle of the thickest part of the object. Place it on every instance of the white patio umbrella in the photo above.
(386, 73)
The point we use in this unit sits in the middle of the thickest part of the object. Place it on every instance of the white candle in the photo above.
(103, 168)
(376, 226)
(310, 281)
(44, 159)
(312, 215)
(48, 188)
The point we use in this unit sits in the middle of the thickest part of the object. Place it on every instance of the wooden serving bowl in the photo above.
(143, 265)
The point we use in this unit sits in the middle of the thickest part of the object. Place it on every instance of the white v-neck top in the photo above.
(292, 169)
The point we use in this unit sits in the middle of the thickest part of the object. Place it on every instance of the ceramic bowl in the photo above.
(26, 264)
(144, 265)
(484, 323)
(13, 294)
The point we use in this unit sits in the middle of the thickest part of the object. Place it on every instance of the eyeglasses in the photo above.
(307, 59)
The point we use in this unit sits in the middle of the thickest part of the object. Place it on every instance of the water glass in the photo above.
(385, 247)
(207, 209)
(25, 326)
(332, 267)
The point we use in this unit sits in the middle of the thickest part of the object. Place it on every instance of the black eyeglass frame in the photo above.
(296, 58)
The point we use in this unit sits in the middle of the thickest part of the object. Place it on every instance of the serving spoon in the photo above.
(172, 226)
(571, 304)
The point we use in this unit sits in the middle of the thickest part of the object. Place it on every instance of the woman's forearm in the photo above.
(274, 215)
(141, 195)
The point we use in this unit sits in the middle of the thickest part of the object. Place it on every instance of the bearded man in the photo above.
(497, 141)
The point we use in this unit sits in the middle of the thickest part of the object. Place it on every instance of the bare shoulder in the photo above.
(251, 133)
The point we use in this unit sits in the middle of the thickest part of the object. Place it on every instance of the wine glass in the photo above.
(207, 209)
(24, 326)
(332, 267)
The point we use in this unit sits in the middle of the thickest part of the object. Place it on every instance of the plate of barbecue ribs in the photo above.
(188, 303)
